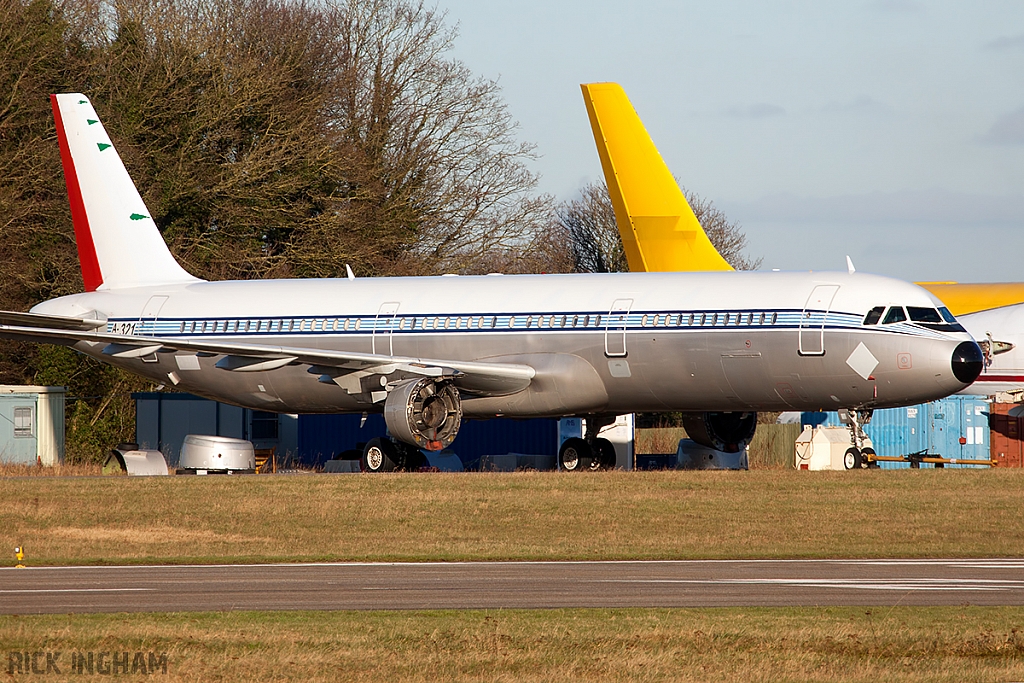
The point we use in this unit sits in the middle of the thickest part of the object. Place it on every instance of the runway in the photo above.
(511, 585)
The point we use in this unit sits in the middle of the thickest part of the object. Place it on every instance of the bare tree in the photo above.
(596, 244)
(594, 239)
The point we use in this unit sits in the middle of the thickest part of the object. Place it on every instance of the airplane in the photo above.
(644, 193)
(657, 226)
(430, 351)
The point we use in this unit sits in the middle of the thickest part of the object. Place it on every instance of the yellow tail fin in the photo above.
(658, 228)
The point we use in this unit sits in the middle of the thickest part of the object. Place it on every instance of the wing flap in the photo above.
(481, 378)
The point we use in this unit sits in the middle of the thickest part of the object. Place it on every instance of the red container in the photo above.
(1007, 437)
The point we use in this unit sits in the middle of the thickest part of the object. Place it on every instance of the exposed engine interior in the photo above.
(426, 413)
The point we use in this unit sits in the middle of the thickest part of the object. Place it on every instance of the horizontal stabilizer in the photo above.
(50, 321)
(658, 228)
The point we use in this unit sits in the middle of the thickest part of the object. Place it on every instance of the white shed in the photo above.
(31, 425)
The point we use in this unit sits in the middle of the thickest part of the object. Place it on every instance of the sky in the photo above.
(889, 130)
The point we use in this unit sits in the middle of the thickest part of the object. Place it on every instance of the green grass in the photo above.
(805, 644)
(550, 516)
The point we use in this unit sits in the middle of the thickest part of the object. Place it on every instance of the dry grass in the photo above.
(539, 515)
(80, 470)
(806, 644)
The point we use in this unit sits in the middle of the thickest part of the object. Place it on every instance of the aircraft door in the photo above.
(615, 328)
(148, 317)
(383, 326)
(812, 320)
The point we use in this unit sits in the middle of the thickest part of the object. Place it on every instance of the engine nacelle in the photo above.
(426, 413)
(726, 432)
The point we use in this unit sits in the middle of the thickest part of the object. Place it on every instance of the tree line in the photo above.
(269, 138)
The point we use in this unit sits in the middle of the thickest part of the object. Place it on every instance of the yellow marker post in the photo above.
(20, 556)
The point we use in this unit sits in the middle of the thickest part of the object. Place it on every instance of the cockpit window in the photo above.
(946, 315)
(923, 315)
(895, 315)
(874, 315)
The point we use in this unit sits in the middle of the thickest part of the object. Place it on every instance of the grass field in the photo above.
(834, 644)
(610, 515)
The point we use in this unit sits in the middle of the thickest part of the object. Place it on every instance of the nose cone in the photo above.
(968, 362)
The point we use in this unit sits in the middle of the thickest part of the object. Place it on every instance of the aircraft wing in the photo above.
(346, 369)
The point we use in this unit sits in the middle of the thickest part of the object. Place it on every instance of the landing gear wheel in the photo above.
(381, 455)
(604, 453)
(852, 459)
(868, 462)
(575, 455)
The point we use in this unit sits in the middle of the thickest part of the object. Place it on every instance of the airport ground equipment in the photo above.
(204, 454)
(128, 459)
(916, 459)
(266, 460)
(829, 448)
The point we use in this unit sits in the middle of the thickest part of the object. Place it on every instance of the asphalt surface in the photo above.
(510, 585)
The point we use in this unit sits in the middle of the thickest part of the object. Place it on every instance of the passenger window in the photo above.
(714, 320)
(703, 318)
(895, 315)
(923, 315)
(874, 315)
(775, 317)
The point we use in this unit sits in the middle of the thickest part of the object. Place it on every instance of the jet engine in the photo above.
(727, 432)
(425, 412)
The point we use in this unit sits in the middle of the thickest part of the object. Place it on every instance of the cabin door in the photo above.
(812, 320)
(615, 328)
(383, 326)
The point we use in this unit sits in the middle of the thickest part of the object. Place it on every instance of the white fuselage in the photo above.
(1006, 371)
(602, 343)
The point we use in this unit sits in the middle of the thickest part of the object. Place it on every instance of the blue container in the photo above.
(935, 428)
(323, 437)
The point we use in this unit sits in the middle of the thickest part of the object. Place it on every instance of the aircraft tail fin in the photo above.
(659, 231)
(119, 244)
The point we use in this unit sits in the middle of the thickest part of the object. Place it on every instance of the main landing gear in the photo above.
(382, 454)
(590, 453)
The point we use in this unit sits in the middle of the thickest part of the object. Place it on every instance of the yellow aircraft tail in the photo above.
(658, 228)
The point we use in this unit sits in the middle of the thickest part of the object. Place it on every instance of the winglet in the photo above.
(119, 244)
(658, 228)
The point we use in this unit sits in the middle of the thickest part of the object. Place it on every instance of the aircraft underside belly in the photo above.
(708, 370)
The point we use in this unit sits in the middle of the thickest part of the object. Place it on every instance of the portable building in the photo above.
(31, 425)
(953, 427)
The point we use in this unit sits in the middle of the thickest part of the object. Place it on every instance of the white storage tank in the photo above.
(824, 448)
(202, 454)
